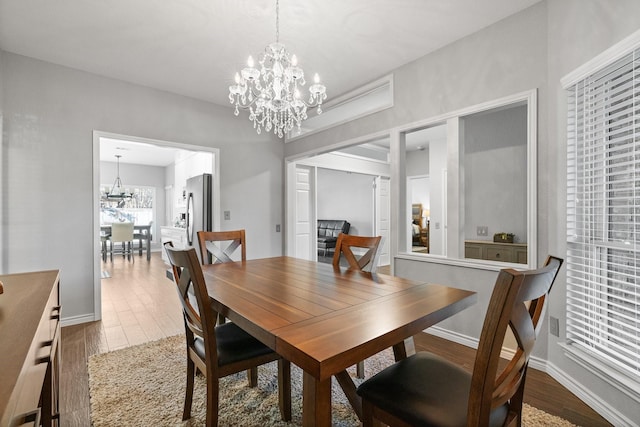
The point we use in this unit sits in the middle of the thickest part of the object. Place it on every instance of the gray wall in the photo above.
(476, 69)
(50, 113)
(506, 58)
(418, 162)
(531, 50)
(578, 30)
(348, 196)
(495, 173)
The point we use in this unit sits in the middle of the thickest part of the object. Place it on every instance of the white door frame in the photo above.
(97, 260)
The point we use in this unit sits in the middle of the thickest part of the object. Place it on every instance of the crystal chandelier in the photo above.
(271, 93)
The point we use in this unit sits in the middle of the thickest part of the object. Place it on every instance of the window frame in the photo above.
(594, 356)
(454, 244)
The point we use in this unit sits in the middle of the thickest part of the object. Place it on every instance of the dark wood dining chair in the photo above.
(366, 262)
(219, 246)
(426, 389)
(217, 351)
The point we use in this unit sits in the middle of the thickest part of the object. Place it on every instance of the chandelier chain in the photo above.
(277, 21)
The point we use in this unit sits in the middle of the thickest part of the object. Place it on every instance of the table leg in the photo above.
(316, 401)
(349, 388)
(149, 247)
(404, 349)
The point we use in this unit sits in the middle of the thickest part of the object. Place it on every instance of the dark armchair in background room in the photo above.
(328, 232)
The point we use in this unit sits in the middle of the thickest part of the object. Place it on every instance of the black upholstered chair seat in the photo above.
(327, 240)
(425, 390)
(234, 345)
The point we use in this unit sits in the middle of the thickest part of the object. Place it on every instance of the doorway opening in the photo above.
(349, 184)
(159, 171)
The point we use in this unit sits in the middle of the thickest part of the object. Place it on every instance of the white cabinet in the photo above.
(176, 235)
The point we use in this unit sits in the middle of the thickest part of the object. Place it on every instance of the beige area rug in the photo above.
(144, 386)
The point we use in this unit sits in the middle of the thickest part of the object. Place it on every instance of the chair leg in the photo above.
(188, 397)
(360, 369)
(252, 376)
(367, 414)
(212, 401)
(221, 319)
(284, 389)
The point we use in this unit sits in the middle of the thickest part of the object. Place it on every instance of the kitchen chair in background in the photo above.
(122, 232)
(368, 262)
(217, 351)
(141, 236)
(105, 246)
(426, 389)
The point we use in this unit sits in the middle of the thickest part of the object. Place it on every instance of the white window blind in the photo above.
(603, 214)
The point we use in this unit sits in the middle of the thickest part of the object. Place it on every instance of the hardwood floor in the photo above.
(140, 304)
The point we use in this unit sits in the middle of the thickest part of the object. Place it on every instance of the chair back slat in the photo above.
(344, 245)
(200, 318)
(211, 246)
(518, 304)
(122, 231)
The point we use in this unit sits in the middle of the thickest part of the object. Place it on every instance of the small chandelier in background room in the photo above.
(272, 93)
(117, 193)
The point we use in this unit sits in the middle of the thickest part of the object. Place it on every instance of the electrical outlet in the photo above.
(277, 228)
(227, 215)
(554, 326)
(482, 230)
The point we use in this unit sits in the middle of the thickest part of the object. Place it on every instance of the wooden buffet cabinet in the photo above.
(30, 349)
(495, 251)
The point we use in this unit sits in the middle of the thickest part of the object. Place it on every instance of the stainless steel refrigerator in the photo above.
(199, 201)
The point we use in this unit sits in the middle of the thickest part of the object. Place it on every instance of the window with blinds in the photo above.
(603, 214)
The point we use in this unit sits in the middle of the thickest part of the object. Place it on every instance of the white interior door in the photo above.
(383, 217)
(304, 221)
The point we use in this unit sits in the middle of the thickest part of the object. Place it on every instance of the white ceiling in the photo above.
(137, 153)
(194, 47)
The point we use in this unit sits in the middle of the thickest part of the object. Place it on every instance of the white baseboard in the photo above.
(507, 353)
(589, 398)
(76, 320)
(453, 336)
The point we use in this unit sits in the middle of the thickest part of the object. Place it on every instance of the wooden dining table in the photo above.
(324, 319)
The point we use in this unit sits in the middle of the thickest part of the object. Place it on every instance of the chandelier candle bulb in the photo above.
(271, 92)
